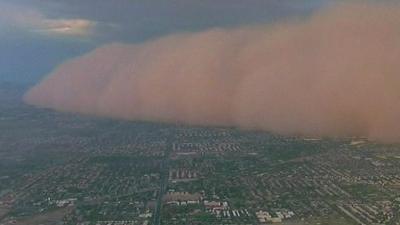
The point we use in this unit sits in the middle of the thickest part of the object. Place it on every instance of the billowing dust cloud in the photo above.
(334, 74)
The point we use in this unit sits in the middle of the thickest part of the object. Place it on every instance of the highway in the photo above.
(164, 175)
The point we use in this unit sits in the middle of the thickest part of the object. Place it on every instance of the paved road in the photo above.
(164, 175)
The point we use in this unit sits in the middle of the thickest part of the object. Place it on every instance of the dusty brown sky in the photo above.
(335, 74)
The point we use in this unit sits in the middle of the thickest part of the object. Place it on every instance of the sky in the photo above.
(38, 35)
(156, 52)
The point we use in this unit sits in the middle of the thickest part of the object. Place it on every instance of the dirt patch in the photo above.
(48, 218)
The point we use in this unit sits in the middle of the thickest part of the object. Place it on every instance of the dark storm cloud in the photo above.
(139, 20)
(68, 28)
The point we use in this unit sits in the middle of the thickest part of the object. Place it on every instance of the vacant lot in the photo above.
(50, 218)
(322, 221)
